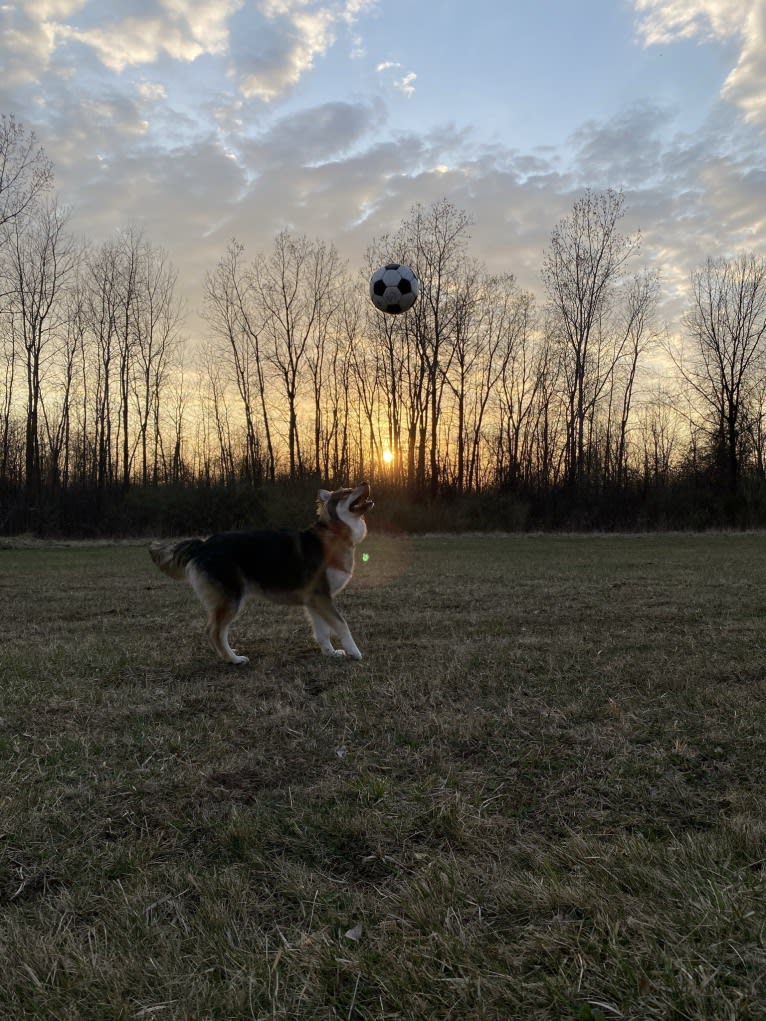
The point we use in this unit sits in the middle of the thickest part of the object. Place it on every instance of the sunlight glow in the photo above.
(388, 456)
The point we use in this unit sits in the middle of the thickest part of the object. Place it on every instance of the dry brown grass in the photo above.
(540, 795)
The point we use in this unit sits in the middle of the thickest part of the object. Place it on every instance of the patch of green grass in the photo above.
(539, 795)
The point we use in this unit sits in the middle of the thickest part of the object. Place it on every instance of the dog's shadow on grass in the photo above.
(267, 671)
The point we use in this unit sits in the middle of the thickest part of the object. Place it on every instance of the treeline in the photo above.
(484, 406)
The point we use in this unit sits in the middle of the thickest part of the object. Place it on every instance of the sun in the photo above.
(388, 456)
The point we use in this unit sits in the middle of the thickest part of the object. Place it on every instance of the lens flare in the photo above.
(388, 456)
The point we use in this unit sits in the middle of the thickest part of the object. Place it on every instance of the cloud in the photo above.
(179, 198)
(276, 43)
(49, 10)
(190, 141)
(183, 31)
(270, 55)
(405, 83)
(310, 137)
(269, 44)
(28, 42)
(348, 199)
(625, 150)
(663, 22)
(746, 84)
(152, 91)
(121, 34)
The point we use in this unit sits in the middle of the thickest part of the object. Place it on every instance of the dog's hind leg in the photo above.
(327, 620)
(222, 610)
(220, 618)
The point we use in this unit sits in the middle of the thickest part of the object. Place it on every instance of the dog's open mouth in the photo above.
(362, 502)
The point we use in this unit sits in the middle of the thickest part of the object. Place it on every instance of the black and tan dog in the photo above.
(301, 568)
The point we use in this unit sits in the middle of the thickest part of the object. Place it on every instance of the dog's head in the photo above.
(347, 506)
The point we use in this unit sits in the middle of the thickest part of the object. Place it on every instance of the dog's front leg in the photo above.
(327, 620)
(346, 639)
(321, 630)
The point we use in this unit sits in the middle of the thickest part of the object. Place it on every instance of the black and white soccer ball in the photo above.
(393, 288)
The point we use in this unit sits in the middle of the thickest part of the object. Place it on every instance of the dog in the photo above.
(307, 568)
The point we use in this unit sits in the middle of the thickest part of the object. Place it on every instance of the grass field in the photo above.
(540, 795)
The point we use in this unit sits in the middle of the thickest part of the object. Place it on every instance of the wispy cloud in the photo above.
(662, 22)
(289, 41)
(181, 31)
(746, 84)
(28, 42)
(406, 84)
(151, 91)
(269, 45)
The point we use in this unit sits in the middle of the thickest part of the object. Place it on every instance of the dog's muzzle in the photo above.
(361, 502)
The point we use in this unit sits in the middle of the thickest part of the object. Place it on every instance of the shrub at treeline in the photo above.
(484, 406)
(685, 503)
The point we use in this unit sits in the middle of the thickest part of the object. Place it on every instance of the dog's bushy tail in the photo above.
(172, 556)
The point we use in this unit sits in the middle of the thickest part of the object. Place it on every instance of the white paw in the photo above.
(353, 653)
(333, 652)
(238, 660)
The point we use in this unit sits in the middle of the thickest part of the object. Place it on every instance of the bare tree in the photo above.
(156, 338)
(437, 237)
(25, 171)
(100, 296)
(231, 310)
(658, 429)
(468, 351)
(581, 270)
(57, 407)
(366, 358)
(419, 346)
(177, 395)
(130, 243)
(351, 393)
(293, 289)
(491, 331)
(636, 333)
(26, 174)
(727, 327)
(390, 378)
(522, 366)
(324, 369)
(755, 425)
(9, 343)
(40, 256)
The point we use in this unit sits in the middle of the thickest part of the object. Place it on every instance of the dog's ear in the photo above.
(324, 495)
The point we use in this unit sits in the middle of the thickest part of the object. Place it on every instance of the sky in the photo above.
(199, 121)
